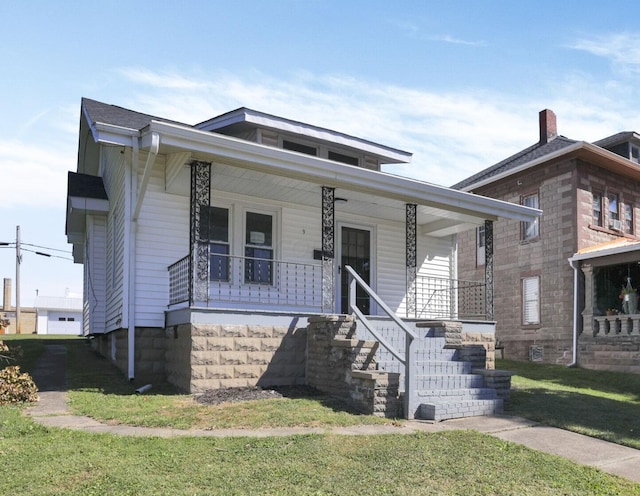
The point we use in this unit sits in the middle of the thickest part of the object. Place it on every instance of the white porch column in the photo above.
(589, 298)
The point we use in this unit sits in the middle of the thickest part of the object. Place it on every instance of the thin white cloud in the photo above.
(451, 134)
(457, 41)
(169, 80)
(623, 49)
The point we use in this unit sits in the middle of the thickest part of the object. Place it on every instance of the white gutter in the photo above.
(329, 173)
(574, 354)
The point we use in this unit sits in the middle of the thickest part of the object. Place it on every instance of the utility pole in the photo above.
(18, 261)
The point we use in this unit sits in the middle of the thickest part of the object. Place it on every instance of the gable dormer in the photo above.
(303, 138)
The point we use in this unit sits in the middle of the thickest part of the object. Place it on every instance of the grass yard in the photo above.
(49, 461)
(41, 461)
(600, 404)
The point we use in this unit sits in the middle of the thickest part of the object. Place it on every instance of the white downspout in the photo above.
(574, 356)
(135, 204)
(131, 257)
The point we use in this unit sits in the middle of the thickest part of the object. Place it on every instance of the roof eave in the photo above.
(295, 165)
(582, 149)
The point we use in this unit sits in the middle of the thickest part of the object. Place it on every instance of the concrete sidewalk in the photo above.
(52, 410)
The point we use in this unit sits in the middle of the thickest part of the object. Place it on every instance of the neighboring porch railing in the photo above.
(617, 325)
(250, 281)
(449, 299)
(406, 358)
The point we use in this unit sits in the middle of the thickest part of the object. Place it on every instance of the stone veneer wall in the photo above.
(220, 356)
(197, 357)
(615, 353)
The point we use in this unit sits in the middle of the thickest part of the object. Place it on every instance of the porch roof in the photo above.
(609, 248)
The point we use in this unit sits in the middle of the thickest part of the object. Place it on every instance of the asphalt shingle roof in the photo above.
(85, 186)
(522, 157)
(120, 116)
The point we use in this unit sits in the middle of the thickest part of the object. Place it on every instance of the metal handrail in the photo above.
(410, 337)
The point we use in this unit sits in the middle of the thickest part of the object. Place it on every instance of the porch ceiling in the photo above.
(230, 179)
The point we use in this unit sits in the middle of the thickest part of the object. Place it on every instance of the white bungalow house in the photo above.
(209, 249)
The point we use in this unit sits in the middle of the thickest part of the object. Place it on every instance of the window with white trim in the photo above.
(258, 248)
(530, 230)
(628, 218)
(597, 209)
(531, 300)
(214, 228)
(612, 200)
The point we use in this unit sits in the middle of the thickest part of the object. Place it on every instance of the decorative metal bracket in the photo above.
(411, 258)
(200, 200)
(488, 267)
(328, 248)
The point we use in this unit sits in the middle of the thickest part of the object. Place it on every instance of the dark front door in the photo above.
(355, 252)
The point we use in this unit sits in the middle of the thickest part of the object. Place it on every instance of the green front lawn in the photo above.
(605, 405)
(49, 461)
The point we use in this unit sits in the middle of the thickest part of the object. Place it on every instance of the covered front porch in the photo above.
(287, 253)
(608, 334)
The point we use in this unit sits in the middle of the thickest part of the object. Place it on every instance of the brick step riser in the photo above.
(446, 411)
(442, 368)
(444, 395)
(460, 381)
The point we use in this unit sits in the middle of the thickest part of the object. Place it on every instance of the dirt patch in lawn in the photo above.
(226, 395)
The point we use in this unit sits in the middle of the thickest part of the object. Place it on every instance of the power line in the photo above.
(46, 248)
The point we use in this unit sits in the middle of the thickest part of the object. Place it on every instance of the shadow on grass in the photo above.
(576, 377)
(613, 420)
(86, 370)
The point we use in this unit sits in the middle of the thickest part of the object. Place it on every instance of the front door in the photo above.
(355, 251)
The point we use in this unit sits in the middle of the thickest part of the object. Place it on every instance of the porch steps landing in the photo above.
(446, 386)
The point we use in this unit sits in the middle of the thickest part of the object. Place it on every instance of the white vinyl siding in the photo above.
(162, 238)
(531, 300)
(113, 179)
(94, 292)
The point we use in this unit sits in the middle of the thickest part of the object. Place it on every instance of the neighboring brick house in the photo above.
(589, 195)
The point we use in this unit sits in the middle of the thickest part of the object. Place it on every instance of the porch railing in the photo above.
(617, 325)
(449, 299)
(406, 358)
(251, 281)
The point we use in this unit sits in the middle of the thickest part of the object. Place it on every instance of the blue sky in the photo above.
(458, 83)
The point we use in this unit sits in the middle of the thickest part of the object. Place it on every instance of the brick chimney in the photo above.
(548, 126)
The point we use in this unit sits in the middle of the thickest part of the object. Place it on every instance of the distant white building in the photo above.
(59, 315)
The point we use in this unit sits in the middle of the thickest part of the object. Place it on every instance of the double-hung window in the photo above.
(628, 218)
(258, 248)
(530, 230)
(597, 209)
(214, 229)
(614, 215)
(531, 300)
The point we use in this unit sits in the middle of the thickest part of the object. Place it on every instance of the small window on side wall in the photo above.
(597, 209)
(531, 300)
(628, 218)
(531, 230)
